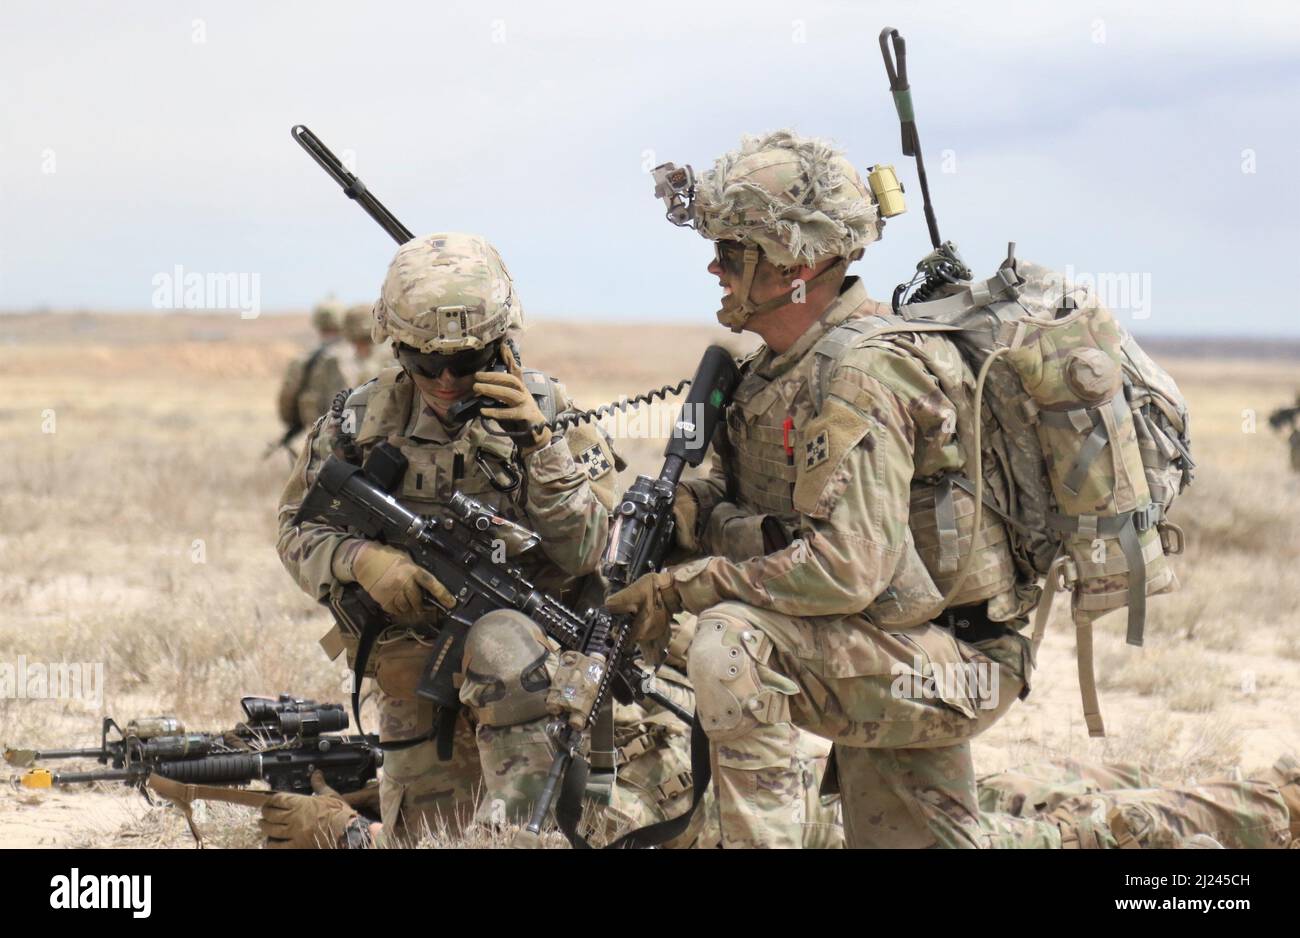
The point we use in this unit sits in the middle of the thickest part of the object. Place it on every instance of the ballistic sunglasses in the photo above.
(730, 254)
(460, 364)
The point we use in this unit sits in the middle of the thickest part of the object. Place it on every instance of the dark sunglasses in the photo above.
(730, 254)
(460, 364)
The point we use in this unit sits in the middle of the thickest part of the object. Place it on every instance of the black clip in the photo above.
(510, 474)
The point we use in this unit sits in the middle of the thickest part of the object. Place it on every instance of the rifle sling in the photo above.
(444, 725)
(182, 794)
(568, 807)
(365, 643)
(655, 834)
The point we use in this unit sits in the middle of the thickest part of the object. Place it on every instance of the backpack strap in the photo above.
(831, 348)
(310, 364)
(945, 518)
(1003, 285)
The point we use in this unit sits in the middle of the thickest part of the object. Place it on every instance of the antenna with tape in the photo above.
(902, 93)
(943, 266)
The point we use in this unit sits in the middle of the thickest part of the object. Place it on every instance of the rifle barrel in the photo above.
(71, 754)
(107, 775)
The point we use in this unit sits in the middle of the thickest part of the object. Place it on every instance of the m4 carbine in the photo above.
(638, 544)
(464, 549)
(282, 742)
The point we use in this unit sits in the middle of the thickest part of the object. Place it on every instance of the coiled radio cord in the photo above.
(565, 421)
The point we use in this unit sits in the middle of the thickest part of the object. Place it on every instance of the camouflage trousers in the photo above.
(650, 778)
(501, 751)
(902, 760)
(493, 776)
(1074, 804)
(900, 706)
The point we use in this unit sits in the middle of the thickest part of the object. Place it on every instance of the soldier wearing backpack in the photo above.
(342, 365)
(849, 580)
(296, 403)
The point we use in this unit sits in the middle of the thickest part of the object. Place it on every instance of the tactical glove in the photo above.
(394, 580)
(521, 411)
(686, 514)
(306, 822)
(652, 602)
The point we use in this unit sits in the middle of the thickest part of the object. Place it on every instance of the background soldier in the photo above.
(818, 583)
(297, 403)
(327, 320)
(343, 365)
(1289, 418)
(447, 303)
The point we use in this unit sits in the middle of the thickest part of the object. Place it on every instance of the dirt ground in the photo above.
(139, 526)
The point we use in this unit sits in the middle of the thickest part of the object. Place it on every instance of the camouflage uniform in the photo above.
(820, 631)
(829, 594)
(815, 594)
(651, 763)
(1289, 418)
(445, 293)
(293, 402)
(1073, 804)
(341, 365)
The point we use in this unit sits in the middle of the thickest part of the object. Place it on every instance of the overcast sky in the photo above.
(1156, 147)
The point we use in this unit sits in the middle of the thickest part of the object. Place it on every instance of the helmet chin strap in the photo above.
(737, 308)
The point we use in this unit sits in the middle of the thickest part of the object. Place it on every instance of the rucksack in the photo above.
(1089, 433)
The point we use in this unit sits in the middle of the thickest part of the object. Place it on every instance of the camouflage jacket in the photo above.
(822, 501)
(337, 367)
(565, 495)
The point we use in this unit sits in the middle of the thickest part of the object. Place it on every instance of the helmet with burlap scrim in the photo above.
(446, 292)
(327, 315)
(797, 198)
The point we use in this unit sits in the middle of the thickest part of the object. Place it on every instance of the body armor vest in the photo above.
(472, 461)
(762, 427)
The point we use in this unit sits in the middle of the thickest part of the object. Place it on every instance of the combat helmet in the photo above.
(446, 292)
(796, 200)
(356, 323)
(327, 315)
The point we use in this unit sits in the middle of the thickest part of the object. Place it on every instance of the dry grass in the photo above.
(160, 423)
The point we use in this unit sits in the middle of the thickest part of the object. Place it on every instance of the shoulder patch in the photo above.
(817, 450)
(594, 461)
(825, 443)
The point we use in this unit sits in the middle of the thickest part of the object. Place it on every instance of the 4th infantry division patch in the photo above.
(816, 450)
(593, 460)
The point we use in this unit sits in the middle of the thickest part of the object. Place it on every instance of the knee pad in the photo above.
(505, 670)
(735, 690)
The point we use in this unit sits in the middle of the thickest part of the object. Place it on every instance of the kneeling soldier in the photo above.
(448, 304)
